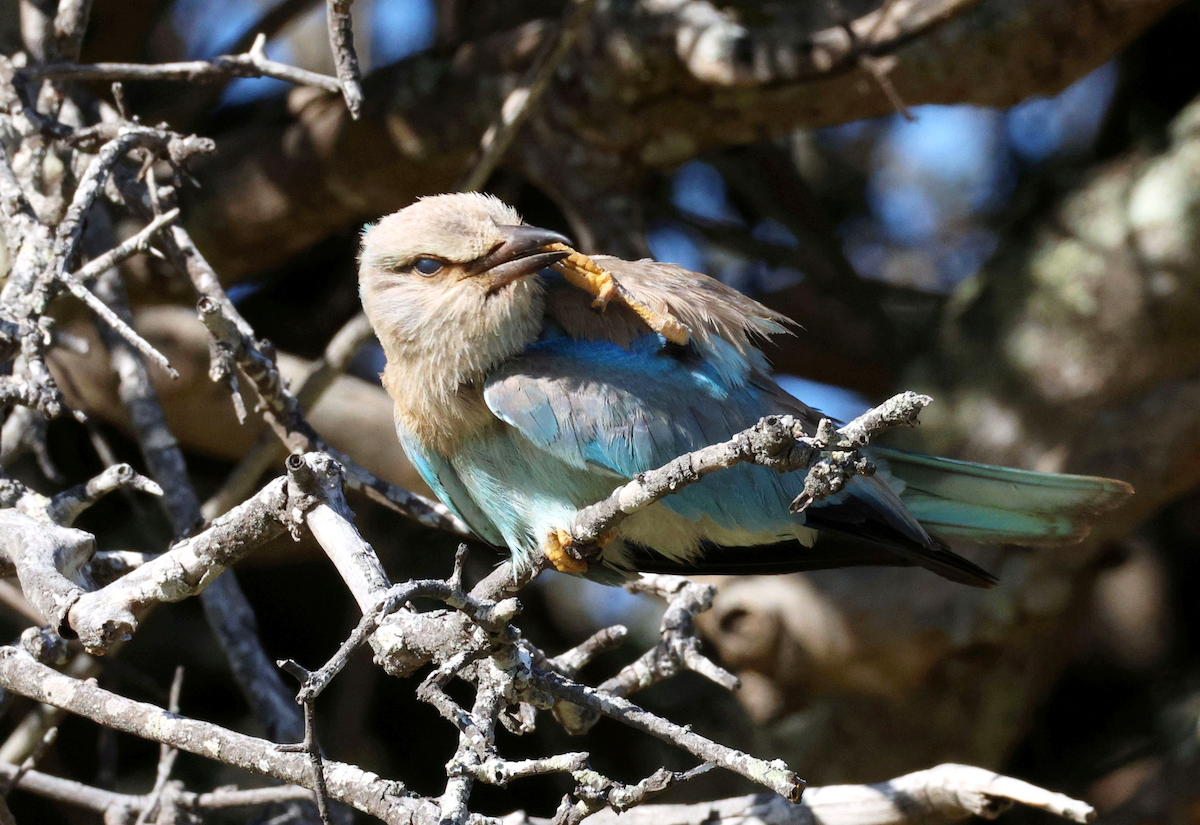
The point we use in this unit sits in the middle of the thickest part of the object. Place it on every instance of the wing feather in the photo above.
(442, 478)
(625, 410)
(632, 410)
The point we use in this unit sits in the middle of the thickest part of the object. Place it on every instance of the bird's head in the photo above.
(446, 283)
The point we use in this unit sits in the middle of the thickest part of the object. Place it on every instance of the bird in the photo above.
(519, 402)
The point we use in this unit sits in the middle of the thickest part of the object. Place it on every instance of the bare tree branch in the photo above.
(341, 42)
(780, 442)
(678, 647)
(268, 450)
(102, 617)
(126, 249)
(101, 801)
(519, 103)
(66, 506)
(945, 793)
(283, 413)
(254, 63)
(386, 799)
(166, 757)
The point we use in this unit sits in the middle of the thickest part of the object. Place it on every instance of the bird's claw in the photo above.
(603, 296)
(584, 273)
(557, 553)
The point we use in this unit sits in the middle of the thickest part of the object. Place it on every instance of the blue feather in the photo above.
(443, 480)
(629, 410)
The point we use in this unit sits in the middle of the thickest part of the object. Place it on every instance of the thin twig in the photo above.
(779, 442)
(473, 745)
(386, 799)
(282, 412)
(66, 506)
(860, 48)
(268, 450)
(126, 249)
(119, 326)
(28, 764)
(773, 775)
(131, 136)
(254, 63)
(166, 756)
(570, 662)
(341, 43)
(520, 102)
(309, 745)
(678, 647)
(490, 615)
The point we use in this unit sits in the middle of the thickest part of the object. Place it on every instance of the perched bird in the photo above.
(519, 403)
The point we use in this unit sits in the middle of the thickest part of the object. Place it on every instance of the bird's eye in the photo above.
(427, 266)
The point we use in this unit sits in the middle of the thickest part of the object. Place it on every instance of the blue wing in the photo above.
(621, 411)
(446, 485)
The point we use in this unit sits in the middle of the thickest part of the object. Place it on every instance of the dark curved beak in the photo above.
(521, 253)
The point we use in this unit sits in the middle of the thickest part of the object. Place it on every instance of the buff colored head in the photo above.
(446, 283)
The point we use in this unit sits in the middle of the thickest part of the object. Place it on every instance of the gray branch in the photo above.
(39, 547)
(254, 63)
(268, 450)
(282, 412)
(945, 793)
(781, 442)
(106, 615)
(225, 607)
(389, 800)
(65, 507)
(89, 798)
(341, 43)
(678, 648)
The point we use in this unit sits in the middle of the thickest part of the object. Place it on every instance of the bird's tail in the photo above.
(983, 503)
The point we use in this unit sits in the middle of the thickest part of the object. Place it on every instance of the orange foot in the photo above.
(584, 273)
(556, 551)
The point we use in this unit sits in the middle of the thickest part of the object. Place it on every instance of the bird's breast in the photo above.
(442, 416)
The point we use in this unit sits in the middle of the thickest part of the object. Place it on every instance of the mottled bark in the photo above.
(1075, 350)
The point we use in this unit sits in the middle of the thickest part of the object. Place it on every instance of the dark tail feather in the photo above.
(831, 550)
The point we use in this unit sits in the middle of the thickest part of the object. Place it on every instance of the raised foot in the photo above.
(584, 273)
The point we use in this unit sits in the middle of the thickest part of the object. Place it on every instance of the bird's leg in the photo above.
(555, 547)
(564, 560)
(584, 273)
